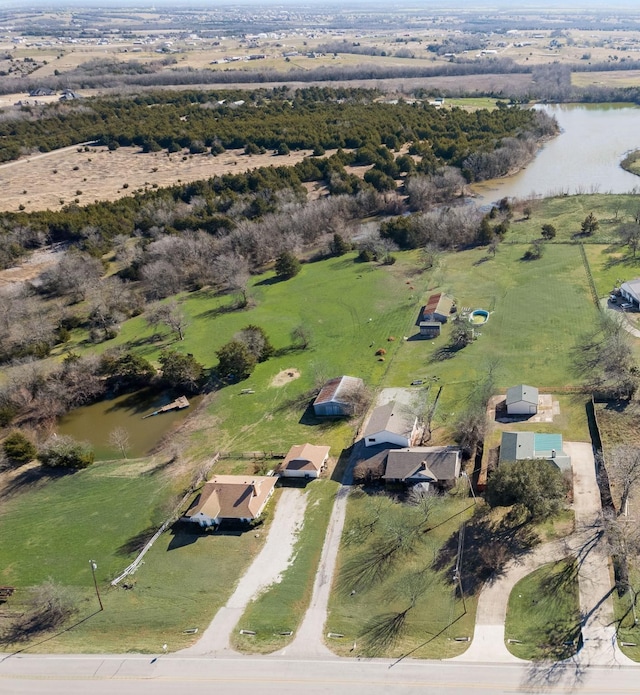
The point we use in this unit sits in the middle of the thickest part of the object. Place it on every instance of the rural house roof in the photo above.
(522, 392)
(390, 418)
(439, 303)
(530, 445)
(305, 457)
(337, 390)
(632, 287)
(233, 497)
(427, 463)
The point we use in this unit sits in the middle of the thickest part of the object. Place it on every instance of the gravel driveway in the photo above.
(265, 570)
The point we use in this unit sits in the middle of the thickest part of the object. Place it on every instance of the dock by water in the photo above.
(179, 403)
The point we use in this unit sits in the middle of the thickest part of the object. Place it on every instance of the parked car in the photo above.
(626, 305)
(613, 298)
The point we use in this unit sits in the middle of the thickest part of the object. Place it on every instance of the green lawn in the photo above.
(280, 608)
(438, 616)
(185, 577)
(538, 311)
(544, 613)
(627, 617)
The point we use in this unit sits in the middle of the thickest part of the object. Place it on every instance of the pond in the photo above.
(94, 423)
(584, 158)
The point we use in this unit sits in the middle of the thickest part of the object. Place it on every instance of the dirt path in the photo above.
(266, 569)
(588, 545)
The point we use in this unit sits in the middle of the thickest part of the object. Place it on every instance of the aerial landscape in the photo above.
(320, 348)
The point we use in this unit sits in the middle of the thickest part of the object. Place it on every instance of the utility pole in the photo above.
(94, 567)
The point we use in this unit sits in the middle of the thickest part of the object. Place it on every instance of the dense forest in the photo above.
(311, 118)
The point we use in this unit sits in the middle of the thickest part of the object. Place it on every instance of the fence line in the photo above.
(168, 522)
(592, 284)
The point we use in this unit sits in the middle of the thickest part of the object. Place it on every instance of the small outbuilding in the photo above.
(438, 308)
(336, 398)
(391, 424)
(522, 400)
(305, 461)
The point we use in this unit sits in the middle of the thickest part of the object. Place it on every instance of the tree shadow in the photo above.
(16, 636)
(136, 543)
(32, 478)
(270, 281)
(482, 260)
(488, 547)
(543, 676)
(222, 310)
(446, 352)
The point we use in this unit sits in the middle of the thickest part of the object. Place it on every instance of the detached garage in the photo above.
(522, 400)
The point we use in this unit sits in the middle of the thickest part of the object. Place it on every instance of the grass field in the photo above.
(104, 514)
(544, 613)
(438, 615)
(538, 310)
(280, 608)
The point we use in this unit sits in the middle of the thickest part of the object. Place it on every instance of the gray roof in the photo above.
(632, 287)
(522, 392)
(517, 445)
(390, 418)
(423, 463)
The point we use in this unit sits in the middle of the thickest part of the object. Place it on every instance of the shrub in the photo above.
(18, 448)
(66, 452)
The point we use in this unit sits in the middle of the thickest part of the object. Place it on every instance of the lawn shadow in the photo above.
(222, 310)
(182, 535)
(446, 352)
(136, 543)
(31, 478)
(270, 281)
(10, 638)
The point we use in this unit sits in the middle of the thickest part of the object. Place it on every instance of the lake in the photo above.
(584, 158)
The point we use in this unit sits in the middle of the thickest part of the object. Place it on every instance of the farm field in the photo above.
(76, 175)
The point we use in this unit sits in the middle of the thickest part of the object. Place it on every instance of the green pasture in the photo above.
(104, 514)
(439, 615)
(281, 607)
(538, 311)
(543, 613)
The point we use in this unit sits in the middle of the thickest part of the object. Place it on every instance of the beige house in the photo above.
(391, 424)
(231, 497)
(304, 461)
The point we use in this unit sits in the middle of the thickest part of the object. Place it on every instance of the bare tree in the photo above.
(119, 440)
(170, 315)
(624, 472)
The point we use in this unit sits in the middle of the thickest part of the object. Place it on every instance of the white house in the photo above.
(522, 400)
(391, 424)
(305, 461)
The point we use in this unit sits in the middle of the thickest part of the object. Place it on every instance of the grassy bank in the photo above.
(281, 607)
(543, 614)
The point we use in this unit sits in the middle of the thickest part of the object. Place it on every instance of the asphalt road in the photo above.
(174, 675)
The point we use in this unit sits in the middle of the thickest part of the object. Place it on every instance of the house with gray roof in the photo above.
(522, 400)
(516, 446)
(631, 291)
(391, 424)
(431, 465)
(336, 397)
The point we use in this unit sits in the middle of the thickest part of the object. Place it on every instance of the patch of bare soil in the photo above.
(285, 376)
(52, 180)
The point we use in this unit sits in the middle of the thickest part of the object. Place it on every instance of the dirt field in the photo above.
(54, 179)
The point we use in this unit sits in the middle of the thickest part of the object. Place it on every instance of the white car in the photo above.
(626, 305)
